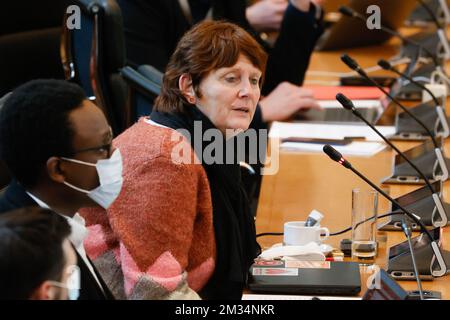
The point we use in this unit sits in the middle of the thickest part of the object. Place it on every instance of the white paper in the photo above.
(362, 149)
(357, 103)
(327, 131)
(308, 252)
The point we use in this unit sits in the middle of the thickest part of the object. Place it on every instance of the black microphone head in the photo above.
(346, 11)
(345, 102)
(352, 64)
(384, 64)
(332, 153)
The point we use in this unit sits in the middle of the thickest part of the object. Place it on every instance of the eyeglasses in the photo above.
(101, 149)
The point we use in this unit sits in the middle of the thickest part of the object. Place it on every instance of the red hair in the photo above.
(208, 46)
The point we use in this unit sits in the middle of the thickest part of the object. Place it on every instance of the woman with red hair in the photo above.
(181, 227)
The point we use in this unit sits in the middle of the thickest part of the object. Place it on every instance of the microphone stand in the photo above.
(439, 110)
(407, 231)
(352, 64)
(353, 14)
(437, 254)
(441, 32)
(348, 104)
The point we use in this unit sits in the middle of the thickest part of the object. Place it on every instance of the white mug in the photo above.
(296, 234)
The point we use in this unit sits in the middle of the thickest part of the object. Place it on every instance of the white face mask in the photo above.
(73, 283)
(110, 176)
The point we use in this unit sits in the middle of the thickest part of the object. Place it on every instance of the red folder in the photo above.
(353, 93)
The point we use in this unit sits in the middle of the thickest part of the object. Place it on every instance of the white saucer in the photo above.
(325, 249)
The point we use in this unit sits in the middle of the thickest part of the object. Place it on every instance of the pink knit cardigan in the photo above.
(156, 241)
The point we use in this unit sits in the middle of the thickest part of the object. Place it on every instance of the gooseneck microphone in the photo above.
(352, 64)
(349, 12)
(348, 105)
(407, 231)
(441, 30)
(337, 156)
(430, 13)
(439, 110)
(387, 66)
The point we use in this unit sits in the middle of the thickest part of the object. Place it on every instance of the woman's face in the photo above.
(230, 95)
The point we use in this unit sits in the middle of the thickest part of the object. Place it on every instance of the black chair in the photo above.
(5, 176)
(94, 55)
(144, 87)
(29, 41)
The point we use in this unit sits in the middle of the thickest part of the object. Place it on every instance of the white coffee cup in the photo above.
(296, 234)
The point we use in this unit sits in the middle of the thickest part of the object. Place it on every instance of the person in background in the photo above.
(37, 261)
(153, 28)
(58, 147)
(181, 229)
(267, 15)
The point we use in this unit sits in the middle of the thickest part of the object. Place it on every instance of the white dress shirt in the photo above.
(77, 235)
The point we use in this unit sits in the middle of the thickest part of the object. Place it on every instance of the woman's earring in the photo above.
(191, 100)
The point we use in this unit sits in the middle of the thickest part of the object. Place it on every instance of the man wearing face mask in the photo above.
(58, 147)
(37, 261)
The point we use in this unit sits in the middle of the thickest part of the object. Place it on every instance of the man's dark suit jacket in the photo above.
(15, 197)
(153, 28)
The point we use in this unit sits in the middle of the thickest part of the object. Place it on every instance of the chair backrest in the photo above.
(29, 41)
(144, 86)
(93, 55)
(5, 176)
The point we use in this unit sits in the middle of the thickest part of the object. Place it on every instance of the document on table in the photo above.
(334, 104)
(357, 148)
(327, 131)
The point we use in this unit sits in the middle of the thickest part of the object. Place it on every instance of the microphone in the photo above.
(441, 32)
(439, 110)
(352, 64)
(348, 104)
(349, 12)
(387, 66)
(346, 11)
(337, 156)
(430, 13)
(408, 233)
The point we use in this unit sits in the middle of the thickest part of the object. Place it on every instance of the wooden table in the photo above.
(307, 181)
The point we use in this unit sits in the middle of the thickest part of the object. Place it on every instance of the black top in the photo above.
(199, 9)
(234, 226)
(15, 197)
(153, 28)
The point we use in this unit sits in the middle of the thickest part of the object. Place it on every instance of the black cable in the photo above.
(430, 13)
(336, 233)
(364, 221)
(340, 232)
(270, 234)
